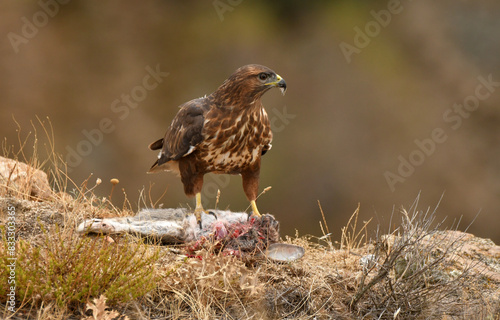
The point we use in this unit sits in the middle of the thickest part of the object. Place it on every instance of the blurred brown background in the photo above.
(369, 84)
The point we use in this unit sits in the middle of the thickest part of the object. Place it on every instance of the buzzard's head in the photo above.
(259, 78)
(250, 82)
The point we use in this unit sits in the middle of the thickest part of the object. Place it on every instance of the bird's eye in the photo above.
(263, 76)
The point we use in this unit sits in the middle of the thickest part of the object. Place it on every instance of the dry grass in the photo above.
(69, 269)
(413, 271)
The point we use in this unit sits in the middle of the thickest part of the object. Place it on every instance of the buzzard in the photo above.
(225, 132)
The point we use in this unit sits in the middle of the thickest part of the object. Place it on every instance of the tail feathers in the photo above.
(154, 168)
(170, 165)
(163, 163)
(158, 144)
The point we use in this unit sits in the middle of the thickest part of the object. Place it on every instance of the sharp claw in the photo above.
(197, 213)
(213, 214)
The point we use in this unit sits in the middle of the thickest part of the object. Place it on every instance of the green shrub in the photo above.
(69, 269)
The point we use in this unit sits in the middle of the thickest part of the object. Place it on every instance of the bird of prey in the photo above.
(225, 132)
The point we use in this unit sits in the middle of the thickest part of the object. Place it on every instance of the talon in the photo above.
(212, 213)
(197, 213)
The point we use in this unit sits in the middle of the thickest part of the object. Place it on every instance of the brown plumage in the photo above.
(225, 132)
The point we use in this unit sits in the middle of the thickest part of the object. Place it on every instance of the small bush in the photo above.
(408, 274)
(69, 269)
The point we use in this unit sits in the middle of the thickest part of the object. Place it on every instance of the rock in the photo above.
(480, 256)
(32, 217)
(24, 179)
(284, 252)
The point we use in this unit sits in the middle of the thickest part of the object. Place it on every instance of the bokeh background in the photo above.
(347, 120)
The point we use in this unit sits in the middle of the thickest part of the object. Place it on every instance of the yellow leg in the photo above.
(198, 202)
(199, 208)
(254, 209)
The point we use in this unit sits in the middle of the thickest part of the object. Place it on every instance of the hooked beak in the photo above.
(279, 82)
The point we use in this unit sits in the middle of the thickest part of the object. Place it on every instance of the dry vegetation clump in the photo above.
(210, 286)
(416, 270)
(67, 269)
(57, 270)
(412, 272)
